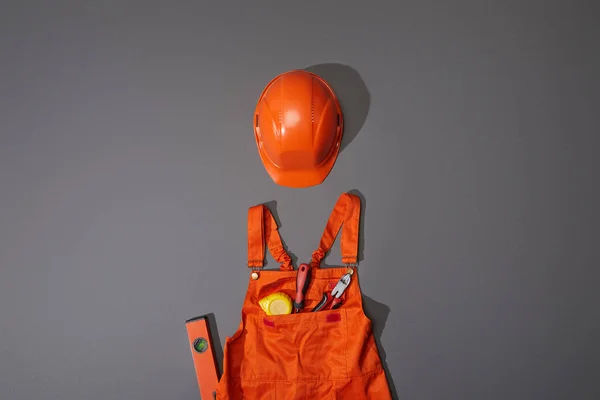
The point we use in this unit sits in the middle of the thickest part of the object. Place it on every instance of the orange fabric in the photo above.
(322, 355)
(298, 127)
(262, 228)
(347, 213)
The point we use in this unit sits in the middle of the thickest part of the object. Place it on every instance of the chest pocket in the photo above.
(305, 346)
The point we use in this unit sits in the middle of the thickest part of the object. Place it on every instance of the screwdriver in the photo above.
(302, 282)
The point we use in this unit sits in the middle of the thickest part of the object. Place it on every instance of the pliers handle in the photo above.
(335, 296)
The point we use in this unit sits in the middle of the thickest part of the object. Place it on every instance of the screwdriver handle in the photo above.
(302, 282)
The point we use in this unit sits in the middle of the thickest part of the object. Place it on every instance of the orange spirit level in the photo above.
(203, 354)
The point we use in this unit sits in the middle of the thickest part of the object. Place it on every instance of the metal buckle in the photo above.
(254, 275)
(350, 267)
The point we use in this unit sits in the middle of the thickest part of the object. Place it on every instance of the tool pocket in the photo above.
(287, 285)
(305, 346)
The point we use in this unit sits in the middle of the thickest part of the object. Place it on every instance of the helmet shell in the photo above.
(298, 127)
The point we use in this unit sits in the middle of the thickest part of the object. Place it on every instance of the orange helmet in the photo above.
(298, 128)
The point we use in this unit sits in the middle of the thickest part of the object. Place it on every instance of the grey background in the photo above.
(127, 164)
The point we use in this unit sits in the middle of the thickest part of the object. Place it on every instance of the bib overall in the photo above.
(328, 354)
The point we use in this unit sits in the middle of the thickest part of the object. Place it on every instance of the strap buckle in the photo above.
(350, 267)
(254, 275)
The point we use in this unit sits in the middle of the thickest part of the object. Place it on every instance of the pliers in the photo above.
(334, 297)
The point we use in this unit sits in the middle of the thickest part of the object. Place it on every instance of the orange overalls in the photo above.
(328, 354)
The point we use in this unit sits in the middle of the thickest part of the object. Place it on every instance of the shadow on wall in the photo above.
(378, 314)
(353, 94)
(216, 341)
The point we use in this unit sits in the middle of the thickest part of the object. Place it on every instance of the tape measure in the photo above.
(277, 303)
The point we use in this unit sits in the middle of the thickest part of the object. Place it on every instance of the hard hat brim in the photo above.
(299, 178)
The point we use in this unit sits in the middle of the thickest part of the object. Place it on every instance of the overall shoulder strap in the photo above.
(262, 229)
(346, 213)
